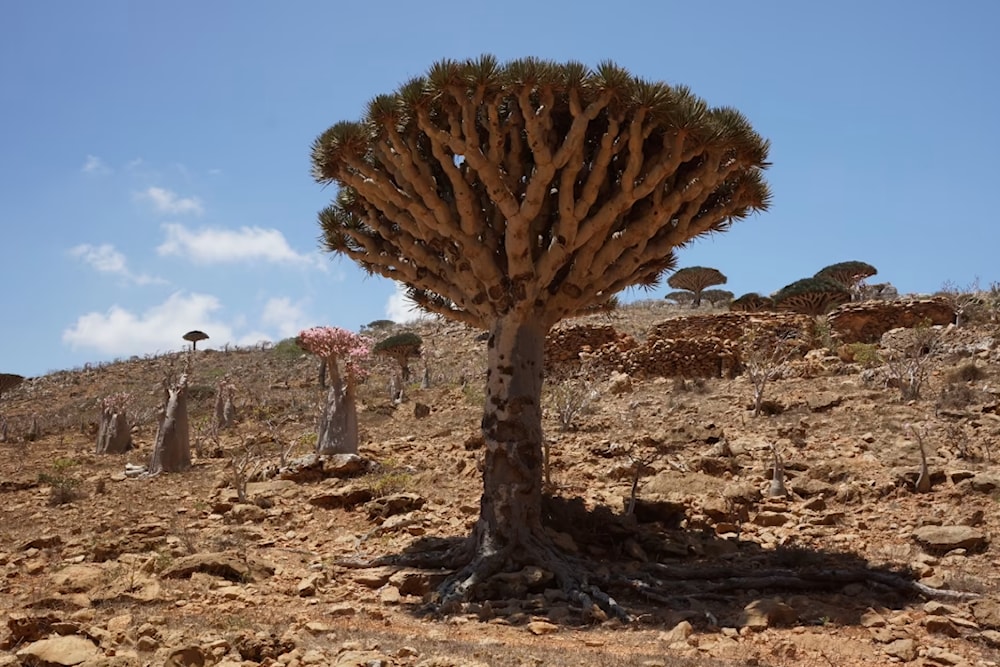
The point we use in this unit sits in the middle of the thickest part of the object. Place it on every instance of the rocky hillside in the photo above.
(850, 565)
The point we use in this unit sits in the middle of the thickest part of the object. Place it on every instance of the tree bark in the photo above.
(338, 428)
(113, 435)
(509, 532)
(172, 451)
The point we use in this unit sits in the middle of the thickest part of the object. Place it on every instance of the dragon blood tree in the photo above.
(717, 296)
(400, 348)
(849, 274)
(812, 296)
(752, 302)
(338, 428)
(696, 279)
(510, 196)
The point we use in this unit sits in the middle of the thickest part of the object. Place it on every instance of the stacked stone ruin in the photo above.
(865, 322)
(709, 345)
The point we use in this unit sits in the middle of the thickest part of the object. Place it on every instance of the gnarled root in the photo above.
(513, 572)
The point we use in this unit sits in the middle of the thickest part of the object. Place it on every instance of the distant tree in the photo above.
(510, 197)
(378, 325)
(849, 274)
(695, 279)
(400, 348)
(812, 296)
(338, 428)
(717, 296)
(752, 302)
(194, 336)
(680, 297)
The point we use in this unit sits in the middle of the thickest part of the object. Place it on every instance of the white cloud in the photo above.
(106, 259)
(283, 316)
(121, 332)
(165, 201)
(216, 246)
(94, 165)
(400, 308)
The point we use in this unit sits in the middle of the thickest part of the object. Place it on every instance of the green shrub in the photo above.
(288, 349)
(864, 354)
(63, 488)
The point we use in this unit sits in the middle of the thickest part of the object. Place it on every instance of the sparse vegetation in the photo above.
(907, 359)
(864, 354)
(764, 357)
(570, 398)
(63, 487)
(860, 447)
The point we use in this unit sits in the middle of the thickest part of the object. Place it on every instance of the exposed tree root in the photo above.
(710, 582)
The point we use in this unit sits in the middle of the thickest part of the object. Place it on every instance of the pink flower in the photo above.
(336, 344)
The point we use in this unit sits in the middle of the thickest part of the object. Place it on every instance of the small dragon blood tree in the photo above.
(851, 275)
(401, 348)
(751, 302)
(338, 429)
(812, 296)
(696, 279)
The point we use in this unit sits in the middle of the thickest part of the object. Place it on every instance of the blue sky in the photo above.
(154, 157)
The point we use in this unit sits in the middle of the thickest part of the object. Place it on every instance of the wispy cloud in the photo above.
(282, 315)
(210, 245)
(106, 259)
(121, 332)
(400, 308)
(167, 202)
(95, 165)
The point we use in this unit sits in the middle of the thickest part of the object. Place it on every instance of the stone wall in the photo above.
(708, 345)
(564, 345)
(865, 322)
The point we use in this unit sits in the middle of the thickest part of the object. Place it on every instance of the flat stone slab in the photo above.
(946, 538)
(58, 652)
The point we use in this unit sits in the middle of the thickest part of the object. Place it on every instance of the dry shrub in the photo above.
(956, 396)
(569, 398)
(967, 372)
(907, 359)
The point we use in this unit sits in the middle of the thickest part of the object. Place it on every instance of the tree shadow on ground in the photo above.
(663, 575)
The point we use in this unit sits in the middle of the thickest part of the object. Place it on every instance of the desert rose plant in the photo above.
(338, 428)
(114, 435)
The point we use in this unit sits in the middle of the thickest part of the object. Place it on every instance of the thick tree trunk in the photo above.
(512, 428)
(338, 428)
(172, 451)
(114, 435)
(509, 533)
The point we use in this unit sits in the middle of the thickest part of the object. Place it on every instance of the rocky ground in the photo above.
(853, 567)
